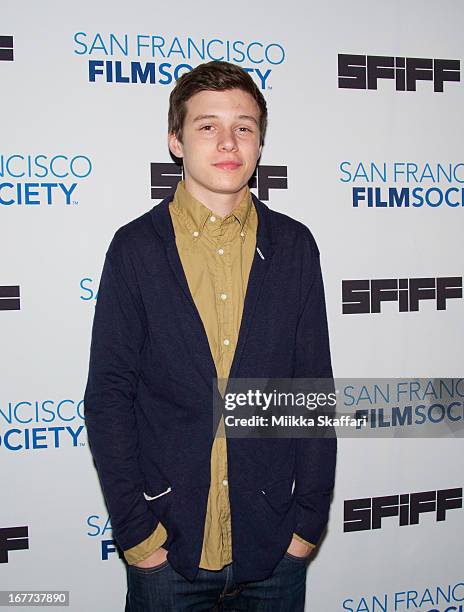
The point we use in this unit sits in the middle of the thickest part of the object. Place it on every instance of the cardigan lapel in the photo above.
(259, 268)
(260, 265)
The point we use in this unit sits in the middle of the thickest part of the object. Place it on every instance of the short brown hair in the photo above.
(212, 76)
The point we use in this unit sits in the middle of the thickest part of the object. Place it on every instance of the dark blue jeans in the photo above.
(162, 589)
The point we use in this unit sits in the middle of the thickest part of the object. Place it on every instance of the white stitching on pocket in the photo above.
(148, 498)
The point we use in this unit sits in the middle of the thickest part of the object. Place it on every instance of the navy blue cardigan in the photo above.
(148, 399)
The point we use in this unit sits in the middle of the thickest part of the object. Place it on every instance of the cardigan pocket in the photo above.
(279, 496)
(159, 499)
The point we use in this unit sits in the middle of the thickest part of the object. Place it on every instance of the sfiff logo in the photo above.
(369, 512)
(12, 538)
(366, 296)
(365, 71)
(9, 297)
(6, 49)
(166, 176)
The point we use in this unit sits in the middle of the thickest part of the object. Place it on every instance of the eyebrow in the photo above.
(248, 117)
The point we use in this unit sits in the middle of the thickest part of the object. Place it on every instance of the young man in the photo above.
(209, 283)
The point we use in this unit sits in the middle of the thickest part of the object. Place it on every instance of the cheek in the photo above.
(201, 148)
(198, 154)
(250, 151)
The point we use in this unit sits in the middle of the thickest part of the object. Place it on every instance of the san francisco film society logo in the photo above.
(399, 184)
(446, 597)
(41, 424)
(99, 530)
(160, 59)
(42, 179)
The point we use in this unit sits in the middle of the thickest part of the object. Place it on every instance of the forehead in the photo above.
(228, 103)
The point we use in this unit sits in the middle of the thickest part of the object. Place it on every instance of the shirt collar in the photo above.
(195, 214)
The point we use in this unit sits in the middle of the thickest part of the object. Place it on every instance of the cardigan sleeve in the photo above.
(118, 336)
(142, 551)
(315, 456)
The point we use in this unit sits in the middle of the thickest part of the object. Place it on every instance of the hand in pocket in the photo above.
(156, 558)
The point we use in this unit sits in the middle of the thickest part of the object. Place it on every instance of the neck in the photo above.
(220, 203)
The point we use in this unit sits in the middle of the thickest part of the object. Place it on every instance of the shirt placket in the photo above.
(221, 234)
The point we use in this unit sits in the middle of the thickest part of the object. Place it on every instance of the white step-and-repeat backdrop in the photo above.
(364, 146)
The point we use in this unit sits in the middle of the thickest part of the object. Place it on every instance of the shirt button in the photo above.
(212, 218)
(224, 482)
(227, 341)
(242, 234)
(223, 296)
(221, 251)
(195, 234)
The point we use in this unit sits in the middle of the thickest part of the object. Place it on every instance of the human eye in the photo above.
(244, 129)
(206, 128)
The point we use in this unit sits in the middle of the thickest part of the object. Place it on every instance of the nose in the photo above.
(227, 141)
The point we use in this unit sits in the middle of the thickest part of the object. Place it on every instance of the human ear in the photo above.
(175, 145)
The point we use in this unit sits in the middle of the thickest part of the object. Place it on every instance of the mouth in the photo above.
(227, 165)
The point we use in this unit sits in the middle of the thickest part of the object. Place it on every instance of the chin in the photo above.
(230, 184)
(228, 188)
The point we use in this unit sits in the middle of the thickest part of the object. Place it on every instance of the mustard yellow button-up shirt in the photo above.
(216, 254)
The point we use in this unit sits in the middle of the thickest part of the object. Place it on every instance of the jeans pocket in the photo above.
(295, 558)
(150, 570)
